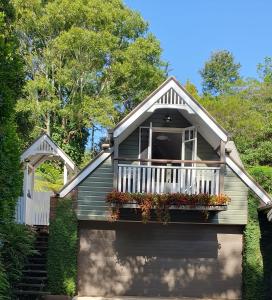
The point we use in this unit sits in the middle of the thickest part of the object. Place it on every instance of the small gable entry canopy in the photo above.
(33, 207)
(171, 95)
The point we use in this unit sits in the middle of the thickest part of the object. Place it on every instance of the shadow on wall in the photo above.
(134, 259)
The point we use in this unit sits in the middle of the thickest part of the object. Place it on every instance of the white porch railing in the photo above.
(20, 210)
(168, 179)
(34, 210)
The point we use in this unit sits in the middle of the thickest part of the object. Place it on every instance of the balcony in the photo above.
(159, 179)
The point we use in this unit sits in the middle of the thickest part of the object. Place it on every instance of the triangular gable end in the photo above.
(44, 145)
(170, 94)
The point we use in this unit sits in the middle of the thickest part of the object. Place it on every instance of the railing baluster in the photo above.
(217, 183)
(158, 180)
(148, 181)
(124, 180)
(183, 180)
(212, 182)
(155, 179)
(152, 180)
(174, 181)
(143, 181)
(134, 180)
(138, 179)
(162, 180)
(119, 178)
(202, 181)
(129, 181)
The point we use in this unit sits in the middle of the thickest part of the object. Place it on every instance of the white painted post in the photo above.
(65, 174)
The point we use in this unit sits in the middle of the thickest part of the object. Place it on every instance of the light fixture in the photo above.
(162, 137)
(167, 119)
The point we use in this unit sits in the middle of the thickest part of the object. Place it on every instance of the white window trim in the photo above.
(170, 130)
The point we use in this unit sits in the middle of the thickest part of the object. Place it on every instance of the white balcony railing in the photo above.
(168, 179)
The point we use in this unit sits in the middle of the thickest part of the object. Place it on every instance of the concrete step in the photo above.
(34, 279)
(31, 286)
(35, 266)
(38, 293)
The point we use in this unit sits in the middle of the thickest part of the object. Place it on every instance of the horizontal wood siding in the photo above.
(91, 204)
(237, 209)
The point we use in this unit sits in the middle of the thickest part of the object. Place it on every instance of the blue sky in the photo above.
(190, 30)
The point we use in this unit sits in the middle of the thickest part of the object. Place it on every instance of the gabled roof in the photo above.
(170, 94)
(44, 147)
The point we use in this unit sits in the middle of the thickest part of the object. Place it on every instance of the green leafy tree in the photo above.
(16, 241)
(88, 63)
(192, 89)
(265, 70)
(220, 72)
(10, 83)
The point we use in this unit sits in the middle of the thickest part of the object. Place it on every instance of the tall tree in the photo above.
(88, 62)
(265, 70)
(220, 72)
(192, 89)
(11, 76)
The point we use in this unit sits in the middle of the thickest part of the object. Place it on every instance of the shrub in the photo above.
(17, 242)
(4, 284)
(252, 259)
(62, 250)
(263, 175)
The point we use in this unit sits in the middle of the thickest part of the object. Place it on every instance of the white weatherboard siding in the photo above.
(82, 175)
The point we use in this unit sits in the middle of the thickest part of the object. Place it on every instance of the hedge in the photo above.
(62, 250)
(252, 259)
(257, 258)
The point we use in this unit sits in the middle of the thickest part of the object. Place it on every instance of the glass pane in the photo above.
(188, 152)
(166, 145)
(144, 143)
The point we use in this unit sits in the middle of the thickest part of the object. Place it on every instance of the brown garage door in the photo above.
(176, 260)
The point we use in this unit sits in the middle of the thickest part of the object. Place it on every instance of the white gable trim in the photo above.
(84, 173)
(246, 178)
(196, 108)
(32, 150)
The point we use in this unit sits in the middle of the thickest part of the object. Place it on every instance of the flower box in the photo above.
(162, 204)
(134, 205)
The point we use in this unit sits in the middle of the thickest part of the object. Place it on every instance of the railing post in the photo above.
(222, 167)
(115, 163)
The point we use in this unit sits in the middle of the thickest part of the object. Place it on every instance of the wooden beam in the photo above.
(222, 167)
(169, 161)
(115, 162)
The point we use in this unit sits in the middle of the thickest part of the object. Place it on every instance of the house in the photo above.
(33, 206)
(169, 145)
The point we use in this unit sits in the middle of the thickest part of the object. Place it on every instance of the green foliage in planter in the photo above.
(62, 251)
(160, 202)
(253, 287)
(17, 242)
